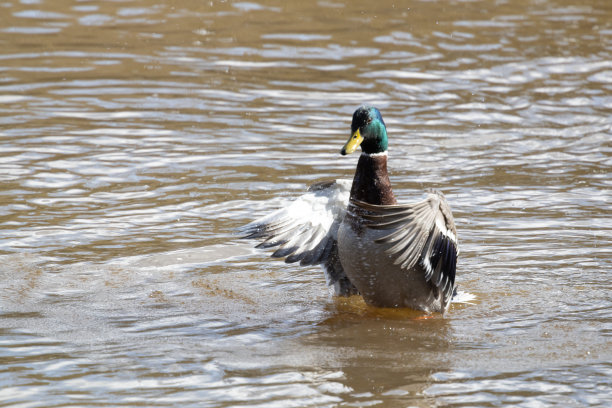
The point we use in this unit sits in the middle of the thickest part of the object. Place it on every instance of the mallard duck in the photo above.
(394, 255)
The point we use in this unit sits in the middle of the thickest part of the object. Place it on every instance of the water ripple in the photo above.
(135, 138)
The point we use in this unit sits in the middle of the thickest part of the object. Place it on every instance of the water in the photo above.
(135, 138)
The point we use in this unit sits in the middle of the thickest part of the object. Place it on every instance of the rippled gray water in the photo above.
(135, 138)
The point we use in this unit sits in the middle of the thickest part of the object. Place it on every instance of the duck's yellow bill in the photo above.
(352, 144)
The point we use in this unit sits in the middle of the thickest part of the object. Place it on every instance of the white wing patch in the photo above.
(307, 229)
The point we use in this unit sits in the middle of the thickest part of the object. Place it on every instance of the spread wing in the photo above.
(306, 231)
(422, 233)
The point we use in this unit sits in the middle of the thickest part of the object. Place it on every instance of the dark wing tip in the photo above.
(321, 185)
(442, 264)
(249, 231)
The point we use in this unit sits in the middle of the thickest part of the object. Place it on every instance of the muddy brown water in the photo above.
(136, 136)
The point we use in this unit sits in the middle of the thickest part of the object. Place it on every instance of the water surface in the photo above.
(135, 138)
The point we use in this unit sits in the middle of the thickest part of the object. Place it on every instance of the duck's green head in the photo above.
(367, 130)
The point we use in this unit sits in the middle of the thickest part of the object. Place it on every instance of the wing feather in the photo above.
(422, 234)
(306, 231)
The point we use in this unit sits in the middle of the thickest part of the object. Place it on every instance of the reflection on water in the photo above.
(135, 138)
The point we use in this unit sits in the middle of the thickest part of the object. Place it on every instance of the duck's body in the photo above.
(381, 282)
(393, 255)
(368, 263)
